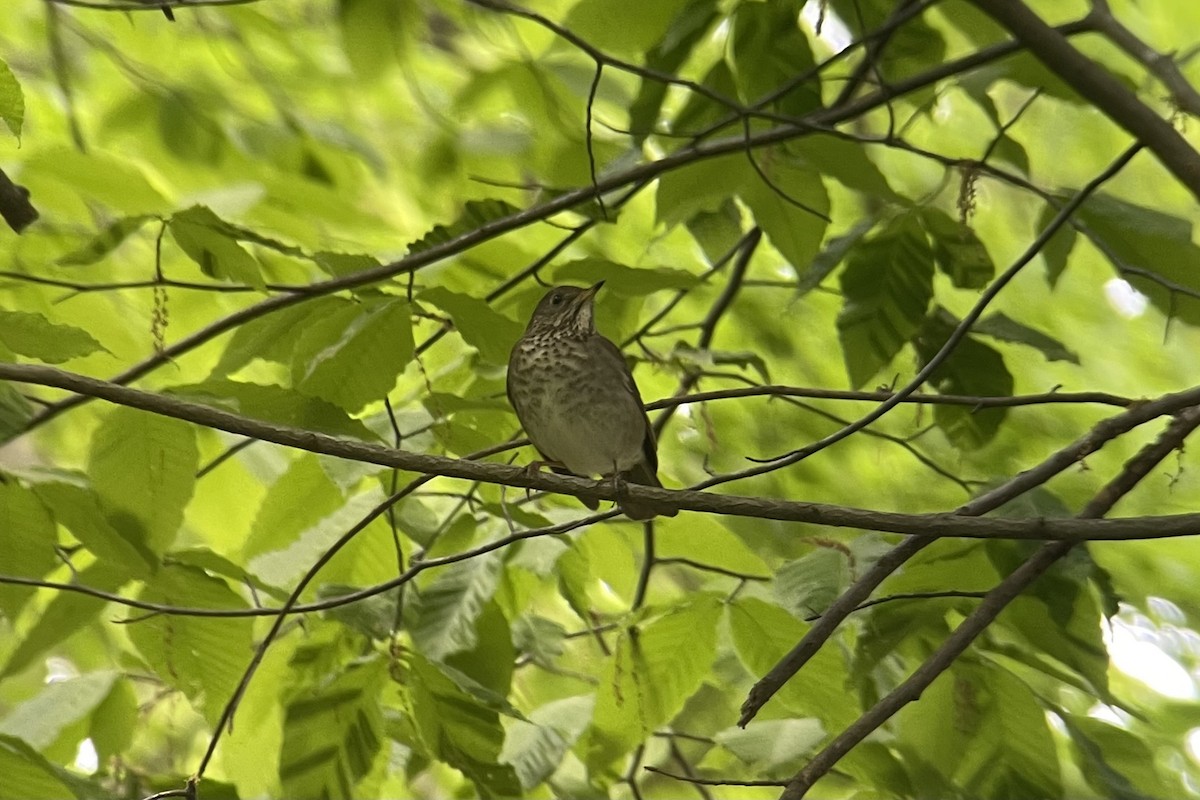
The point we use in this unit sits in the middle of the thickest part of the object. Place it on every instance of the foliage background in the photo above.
(184, 172)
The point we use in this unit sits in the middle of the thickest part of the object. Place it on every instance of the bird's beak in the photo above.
(586, 296)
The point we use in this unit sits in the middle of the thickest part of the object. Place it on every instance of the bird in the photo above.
(577, 400)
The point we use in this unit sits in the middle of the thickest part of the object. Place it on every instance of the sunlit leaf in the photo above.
(34, 336)
(12, 101)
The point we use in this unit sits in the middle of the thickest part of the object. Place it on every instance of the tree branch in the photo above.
(1098, 87)
(925, 525)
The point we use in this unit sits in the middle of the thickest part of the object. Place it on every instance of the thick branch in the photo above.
(1099, 88)
(925, 525)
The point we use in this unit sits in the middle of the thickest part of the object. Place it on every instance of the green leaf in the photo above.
(650, 676)
(480, 326)
(188, 131)
(887, 284)
(999, 326)
(204, 237)
(536, 748)
(32, 335)
(44, 717)
(846, 161)
(66, 613)
(1116, 762)
(774, 748)
(12, 101)
(973, 369)
(114, 721)
(143, 467)
(913, 47)
(353, 356)
(273, 337)
(684, 33)
(1157, 245)
(457, 729)
(342, 264)
(376, 34)
(704, 186)
(603, 23)
(117, 183)
(29, 776)
(809, 584)
(202, 657)
(27, 545)
(15, 412)
(275, 404)
(791, 205)
(957, 250)
(78, 510)
(762, 634)
(624, 280)
(1058, 249)
(332, 734)
(476, 215)
(768, 50)
(105, 242)
(831, 255)
(451, 605)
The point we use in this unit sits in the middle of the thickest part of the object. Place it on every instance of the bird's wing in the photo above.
(649, 448)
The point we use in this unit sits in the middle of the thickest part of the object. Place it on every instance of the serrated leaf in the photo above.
(1153, 243)
(846, 161)
(202, 657)
(275, 404)
(203, 236)
(1116, 762)
(707, 359)
(649, 677)
(957, 250)
(480, 326)
(809, 584)
(791, 206)
(458, 730)
(973, 369)
(33, 336)
(330, 356)
(273, 337)
(26, 545)
(143, 468)
(762, 634)
(342, 264)
(450, 606)
(332, 734)
(887, 284)
(105, 242)
(12, 101)
(1000, 326)
(536, 748)
(913, 47)
(476, 214)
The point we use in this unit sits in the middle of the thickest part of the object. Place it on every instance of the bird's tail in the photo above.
(643, 474)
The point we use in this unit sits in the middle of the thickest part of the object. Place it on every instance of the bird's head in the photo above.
(566, 309)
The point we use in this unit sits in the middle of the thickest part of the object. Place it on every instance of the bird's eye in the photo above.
(556, 299)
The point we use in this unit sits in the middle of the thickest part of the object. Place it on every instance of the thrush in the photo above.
(577, 400)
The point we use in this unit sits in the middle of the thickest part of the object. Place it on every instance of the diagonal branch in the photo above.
(1098, 87)
(996, 600)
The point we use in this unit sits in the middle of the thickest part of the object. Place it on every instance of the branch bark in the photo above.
(927, 525)
(1096, 85)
